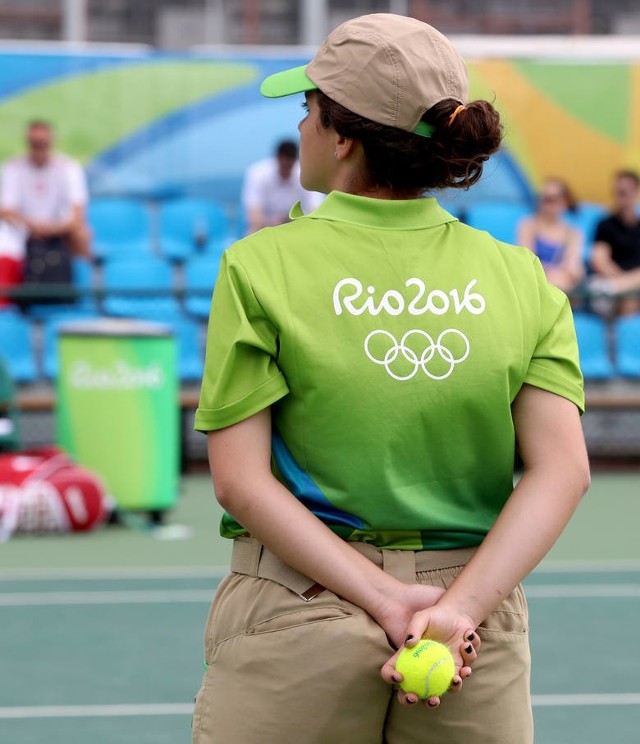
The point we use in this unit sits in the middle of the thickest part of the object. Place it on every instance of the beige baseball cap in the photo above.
(385, 67)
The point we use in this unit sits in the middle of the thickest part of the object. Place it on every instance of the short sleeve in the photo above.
(554, 365)
(241, 375)
(78, 192)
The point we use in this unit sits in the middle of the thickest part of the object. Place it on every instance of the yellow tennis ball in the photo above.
(427, 669)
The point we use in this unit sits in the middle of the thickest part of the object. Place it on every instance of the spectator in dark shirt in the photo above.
(616, 251)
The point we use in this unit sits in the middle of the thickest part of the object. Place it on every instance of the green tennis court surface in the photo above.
(101, 634)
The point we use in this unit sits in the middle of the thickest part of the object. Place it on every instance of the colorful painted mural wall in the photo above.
(157, 125)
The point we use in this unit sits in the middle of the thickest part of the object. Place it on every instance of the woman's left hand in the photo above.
(443, 624)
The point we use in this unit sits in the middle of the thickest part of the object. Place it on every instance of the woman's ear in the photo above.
(345, 147)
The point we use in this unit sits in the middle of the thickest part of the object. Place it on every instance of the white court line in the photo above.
(581, 591)
(570, 701)
(170, 596)
(217, 572)
(614, 566)
(36, 599)
(161, 572)
(96, 711)
(186, 709)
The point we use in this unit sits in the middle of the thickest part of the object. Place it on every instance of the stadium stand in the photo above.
(500, 219)
(140, 287)
(188, 225)
(593, 346)
(200, 274)
(190, 340)
(121, 227)
(17, 346)
(627, 346)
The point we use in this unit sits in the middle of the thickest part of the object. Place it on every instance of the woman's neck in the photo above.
(546, 220)
(350, 181)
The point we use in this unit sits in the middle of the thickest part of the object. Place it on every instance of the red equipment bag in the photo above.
(11, 275)
(43, 490)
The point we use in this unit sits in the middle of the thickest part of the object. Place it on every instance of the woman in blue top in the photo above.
(554, 241)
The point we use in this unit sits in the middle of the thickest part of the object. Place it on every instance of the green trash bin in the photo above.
(117, 408)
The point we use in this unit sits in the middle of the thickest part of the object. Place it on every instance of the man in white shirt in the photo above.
(272, 187)
(43, 194)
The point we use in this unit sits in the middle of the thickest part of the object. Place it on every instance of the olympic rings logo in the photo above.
(419, 360)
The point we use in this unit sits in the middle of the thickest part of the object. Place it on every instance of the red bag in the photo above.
(11, 275)
(43, 490)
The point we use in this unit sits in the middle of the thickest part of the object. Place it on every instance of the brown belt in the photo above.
(251, 558)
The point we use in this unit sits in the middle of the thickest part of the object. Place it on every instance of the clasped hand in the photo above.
(421, 611)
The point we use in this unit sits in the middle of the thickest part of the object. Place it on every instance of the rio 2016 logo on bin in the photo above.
(120, 375)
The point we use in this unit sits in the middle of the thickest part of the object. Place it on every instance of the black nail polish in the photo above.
(411, 702)
(408, 638)
(468, 649)
(471, 636)
(395, 678)
(456, 682)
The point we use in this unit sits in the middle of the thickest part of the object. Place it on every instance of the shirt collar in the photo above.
(406, 214)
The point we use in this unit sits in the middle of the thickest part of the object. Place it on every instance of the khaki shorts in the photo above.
(292, 663)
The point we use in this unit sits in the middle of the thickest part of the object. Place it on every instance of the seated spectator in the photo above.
(43, 196)
(616, 251)
(272, 187)
(557, 244)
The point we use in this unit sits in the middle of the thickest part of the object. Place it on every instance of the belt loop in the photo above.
(256, 557)
(400, 564)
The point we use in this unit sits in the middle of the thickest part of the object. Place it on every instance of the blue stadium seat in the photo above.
(593, 347)
(241, 223)
(140, 287)
(200, 274)
(16, 346)
(501, 220)
(190, 224)
(627, 345)
(586, 219)
(82, 271)
(121, 227)
(190, 343)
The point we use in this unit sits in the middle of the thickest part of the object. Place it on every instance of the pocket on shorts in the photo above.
(248, 605)
(509, 619)
(299, 617)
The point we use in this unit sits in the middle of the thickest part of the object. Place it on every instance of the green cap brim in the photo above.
(287, 83)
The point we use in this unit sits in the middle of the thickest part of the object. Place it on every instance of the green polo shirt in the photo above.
(389, 340)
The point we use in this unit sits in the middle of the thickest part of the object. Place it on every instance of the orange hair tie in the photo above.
(452, 118)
